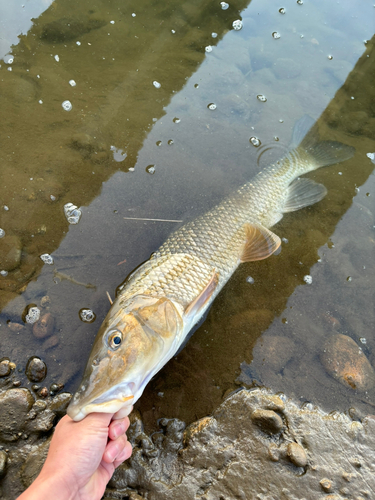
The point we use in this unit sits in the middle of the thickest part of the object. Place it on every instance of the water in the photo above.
(99, 155)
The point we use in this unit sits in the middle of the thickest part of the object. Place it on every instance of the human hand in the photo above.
(82, 458)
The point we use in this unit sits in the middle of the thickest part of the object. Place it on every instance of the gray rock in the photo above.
(36, 370)
(14, 406)
(267, 420)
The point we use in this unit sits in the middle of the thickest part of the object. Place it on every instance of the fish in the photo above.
(163, 299)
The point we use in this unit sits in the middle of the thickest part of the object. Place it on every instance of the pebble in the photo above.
(10, 252)
(3, 462)
(44, 326)
(50, 343)
(345, 361)
(4, 368)
(45, 301)
(267, 420)
(43, 393)
(297, 455)
(36, 370)
(16, 327)
(326, 485)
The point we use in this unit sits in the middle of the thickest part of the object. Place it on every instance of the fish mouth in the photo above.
(120, 403)
(79, 412)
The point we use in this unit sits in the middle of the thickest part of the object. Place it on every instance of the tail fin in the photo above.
(324, 153)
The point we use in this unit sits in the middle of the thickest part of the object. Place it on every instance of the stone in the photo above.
(3, 462)
(59, 403)
(297, 455)
(44, 326)
(16, 327)
(14, 406)
(344, 360)
(36, 370)
(276, 350)
(10, 252)
(326, 485)
(4, 368)
(51, 342)
(267, 420)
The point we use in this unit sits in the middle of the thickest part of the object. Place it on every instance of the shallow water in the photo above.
(122, 127)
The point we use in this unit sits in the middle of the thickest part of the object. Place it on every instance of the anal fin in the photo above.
(260, 243)
(302, 193)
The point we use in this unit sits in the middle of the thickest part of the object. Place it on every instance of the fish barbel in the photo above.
(164, 298)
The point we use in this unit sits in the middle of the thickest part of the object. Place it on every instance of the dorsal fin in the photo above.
(260, 243)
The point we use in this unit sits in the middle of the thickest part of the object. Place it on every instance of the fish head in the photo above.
(136, 339)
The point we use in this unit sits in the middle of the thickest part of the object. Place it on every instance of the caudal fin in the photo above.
(323, 153)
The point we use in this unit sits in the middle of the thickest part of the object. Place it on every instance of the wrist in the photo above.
(47, 486)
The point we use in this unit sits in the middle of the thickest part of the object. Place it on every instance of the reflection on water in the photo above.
(193, 133)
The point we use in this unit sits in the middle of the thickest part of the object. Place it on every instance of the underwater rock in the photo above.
(226, 456)
(50, 343)
(36, 369)
(345, 361)
(44, 326)
(275, 350)
(10, 252)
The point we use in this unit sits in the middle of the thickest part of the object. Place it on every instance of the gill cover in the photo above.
(136, 339)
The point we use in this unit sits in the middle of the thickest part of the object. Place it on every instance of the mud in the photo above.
(232, 454)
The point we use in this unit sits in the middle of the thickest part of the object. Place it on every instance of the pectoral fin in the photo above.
(260, 243)
(201, 301)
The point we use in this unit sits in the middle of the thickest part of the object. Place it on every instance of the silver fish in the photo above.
(164, 298)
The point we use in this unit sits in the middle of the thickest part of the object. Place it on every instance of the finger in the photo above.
(118, 427)
(124, 455)
(114, 448)
(99, 418)
(123, 412)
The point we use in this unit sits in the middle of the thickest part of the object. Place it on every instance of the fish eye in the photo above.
(114, 339)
